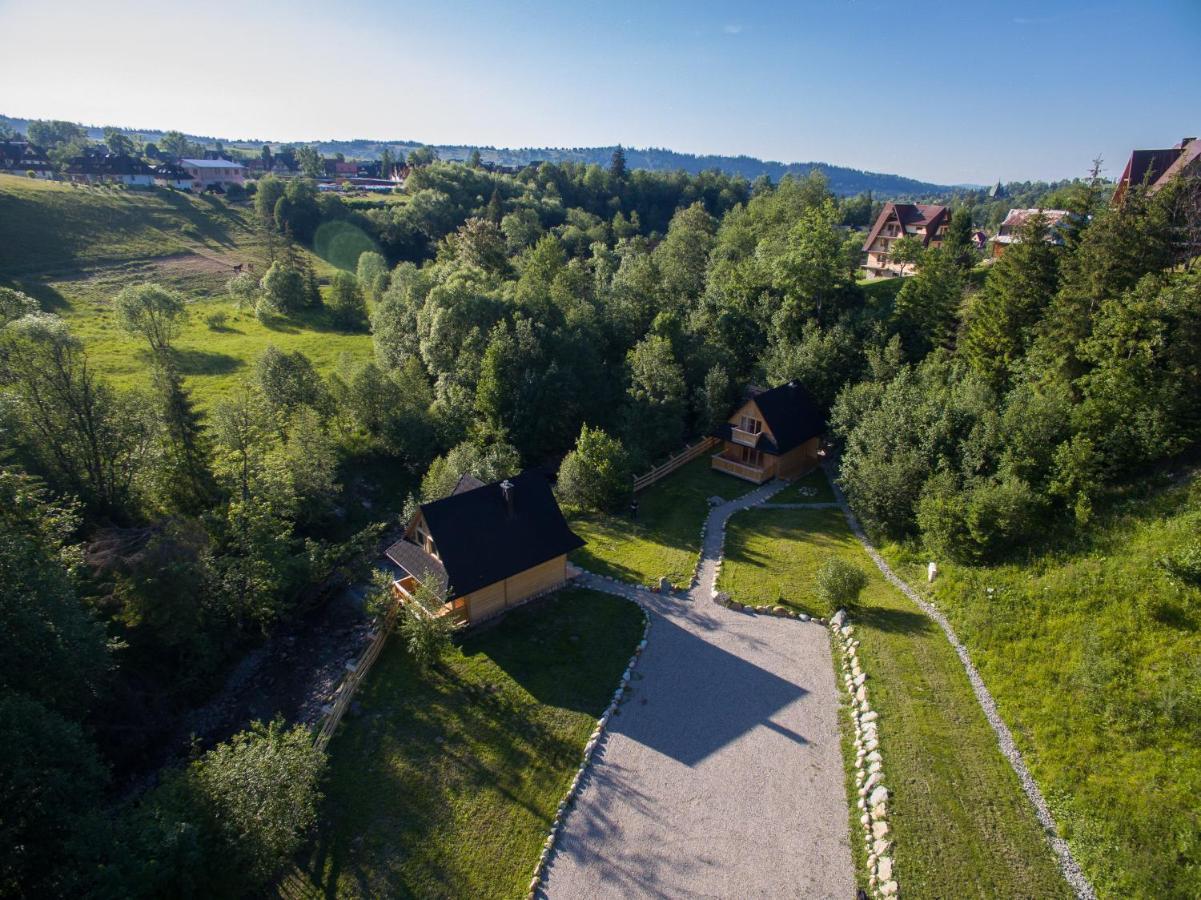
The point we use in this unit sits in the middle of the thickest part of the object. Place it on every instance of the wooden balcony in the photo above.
(755, 474)
(746, 438)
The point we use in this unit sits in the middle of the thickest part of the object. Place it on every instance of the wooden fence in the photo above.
(687, 455)
(350, 683)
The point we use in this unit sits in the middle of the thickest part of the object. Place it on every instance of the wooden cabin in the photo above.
(773, 434)
(486, 547)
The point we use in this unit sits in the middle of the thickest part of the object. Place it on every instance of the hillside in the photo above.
(1092, 653)
(843, 180)
(74, 248)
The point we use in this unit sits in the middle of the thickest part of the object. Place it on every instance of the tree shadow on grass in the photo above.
(205, 362)
(47, 297)
(894, 621)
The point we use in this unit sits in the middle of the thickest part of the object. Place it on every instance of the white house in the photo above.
(206, 173)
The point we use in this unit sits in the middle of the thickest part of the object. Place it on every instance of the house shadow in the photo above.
(895, 621)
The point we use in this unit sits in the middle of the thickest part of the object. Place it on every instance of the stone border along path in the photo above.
(829, 868)
(1067, 863)
(873, 795)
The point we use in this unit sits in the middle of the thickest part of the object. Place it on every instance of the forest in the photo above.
(591, 316)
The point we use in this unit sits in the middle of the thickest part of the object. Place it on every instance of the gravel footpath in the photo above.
(722, 774)
(1067, 863)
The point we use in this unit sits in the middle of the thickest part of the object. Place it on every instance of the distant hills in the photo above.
(843, 180)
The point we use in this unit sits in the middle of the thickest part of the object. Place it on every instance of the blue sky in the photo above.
(946, 91)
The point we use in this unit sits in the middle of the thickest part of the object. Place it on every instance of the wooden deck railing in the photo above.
(741, 470)
(687, 455)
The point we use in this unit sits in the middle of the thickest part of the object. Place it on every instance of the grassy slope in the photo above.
(74, 248)
(1094, 658)
(962, 825)
(446, 783)
(665, 538)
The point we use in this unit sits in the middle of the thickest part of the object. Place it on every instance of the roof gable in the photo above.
(790, 417)
(482, 538)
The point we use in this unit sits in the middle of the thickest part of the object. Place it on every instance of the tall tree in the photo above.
(152, 311)
(617, 163)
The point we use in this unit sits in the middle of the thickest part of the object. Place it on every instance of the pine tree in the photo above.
(494, 211)
(1000, 325)
(186, 481)
(617, 166)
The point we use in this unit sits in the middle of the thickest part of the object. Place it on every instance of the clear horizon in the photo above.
(958, 96)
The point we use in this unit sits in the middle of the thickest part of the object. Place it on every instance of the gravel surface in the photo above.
(722, 774)
(1067, 863)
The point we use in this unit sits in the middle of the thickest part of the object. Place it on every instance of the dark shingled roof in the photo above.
(417, 563)
(790, 413)
(480, 541)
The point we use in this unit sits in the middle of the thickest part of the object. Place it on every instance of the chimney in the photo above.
(506, 488)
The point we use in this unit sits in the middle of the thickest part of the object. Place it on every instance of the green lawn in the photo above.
(75, 248)
(445, 784)
(665, 538)
(1094, 657)
(812, 488)
(963, 827)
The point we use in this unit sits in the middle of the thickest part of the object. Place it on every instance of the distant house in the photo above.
(173, 176)
(1015, 221)
(107, 168)
(773, 434)
(336, 168)
(997, 191)
(1159, 167)
(979, 240)
(22, 157)
(213, 173)
(926, 222)
(486, 547)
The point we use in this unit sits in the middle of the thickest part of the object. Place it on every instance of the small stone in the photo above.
(875, 767)
(861, 694)
(860, 678)
(880, 847)
(865, 820)
(804, 617)
(879, 829)
(779, 610)
(847, 630)
(875, 756)
(872, 780)
(839, 618)
(888, 888)
(879, 811)
(879, 796)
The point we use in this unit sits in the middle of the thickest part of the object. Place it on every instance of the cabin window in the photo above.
(752, 457)
(750, 424)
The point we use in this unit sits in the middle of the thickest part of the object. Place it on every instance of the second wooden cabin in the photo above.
(773, 434)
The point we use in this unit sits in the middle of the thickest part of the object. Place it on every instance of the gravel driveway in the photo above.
(722, 776)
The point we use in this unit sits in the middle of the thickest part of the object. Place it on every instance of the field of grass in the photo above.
(962, 826)
(51, 227)
(446, 782)
(75, 248)
(665, 538)
(1094, 657)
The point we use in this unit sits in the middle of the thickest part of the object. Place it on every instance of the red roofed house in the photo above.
(1159, 167)
(1010, 231)
(926, 222)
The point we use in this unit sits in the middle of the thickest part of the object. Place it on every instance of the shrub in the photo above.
(1001, 516)
(1185, 564)
(216, 321)
(596, 474)
(839, 583)
(286, 288)
(346, 304)
(243, 289)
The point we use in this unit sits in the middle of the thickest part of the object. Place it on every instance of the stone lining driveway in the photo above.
(722, 776)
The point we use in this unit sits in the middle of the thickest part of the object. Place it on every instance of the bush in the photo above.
(839, 583)
(346, 304)
(596, 474)
(216, 321)
(228, 823)
(1185, 564)
(1001, 516)
(286, 288)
